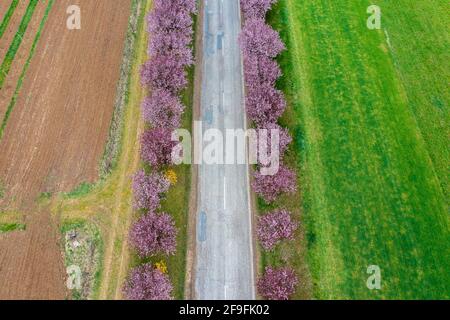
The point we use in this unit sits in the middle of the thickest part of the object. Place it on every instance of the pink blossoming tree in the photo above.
(148, 190)
(258, 38)
(154, 234)
(162, 109)
(157, 146)
(256, 8)
(164, 72)
(270, 187)
(277, 284)
(147, 283)
(265, 104)
(274, 227)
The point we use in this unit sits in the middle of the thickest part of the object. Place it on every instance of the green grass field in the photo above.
(369, 112)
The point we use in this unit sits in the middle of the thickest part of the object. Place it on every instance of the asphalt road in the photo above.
(224, 261)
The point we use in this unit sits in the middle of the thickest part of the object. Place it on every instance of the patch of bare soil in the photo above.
(31, 264)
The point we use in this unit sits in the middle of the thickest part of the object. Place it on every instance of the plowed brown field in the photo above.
(4, 5)
(31, 265)
(12, 27)
(57, 131)
(9, 86)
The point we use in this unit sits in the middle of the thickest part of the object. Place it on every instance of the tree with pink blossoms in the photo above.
(265, 137)
(270, 187)
(147, 283)
(264, 104)
(164, 72)
(157, 146)
(174, 43)
(173, 15)
(154, 234)
(274, 227)
(277, 284)
(148, 190)
(260, 71)
(162, 109)
(256, 8)
(258, 38)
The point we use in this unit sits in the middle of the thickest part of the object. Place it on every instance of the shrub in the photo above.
(157, 146)
(270, 187)
(148, 190)
(147, 283)
(277, 284)
(171, 175)
(274, 227)
(162, 109)
(154, 234)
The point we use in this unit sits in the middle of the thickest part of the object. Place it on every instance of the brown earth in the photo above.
(9, 86)
(4, 6)
(56, 134)
(12, 28)
(31, 265)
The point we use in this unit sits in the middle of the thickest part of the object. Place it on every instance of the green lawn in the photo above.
(370, 122)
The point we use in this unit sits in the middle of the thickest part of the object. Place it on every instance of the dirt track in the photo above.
(57, 131)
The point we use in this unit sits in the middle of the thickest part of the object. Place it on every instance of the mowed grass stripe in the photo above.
(25, 69)
(371, 195)
(8, 15)
(7, 61)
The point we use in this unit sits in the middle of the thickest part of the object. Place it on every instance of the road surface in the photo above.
(224, 261)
